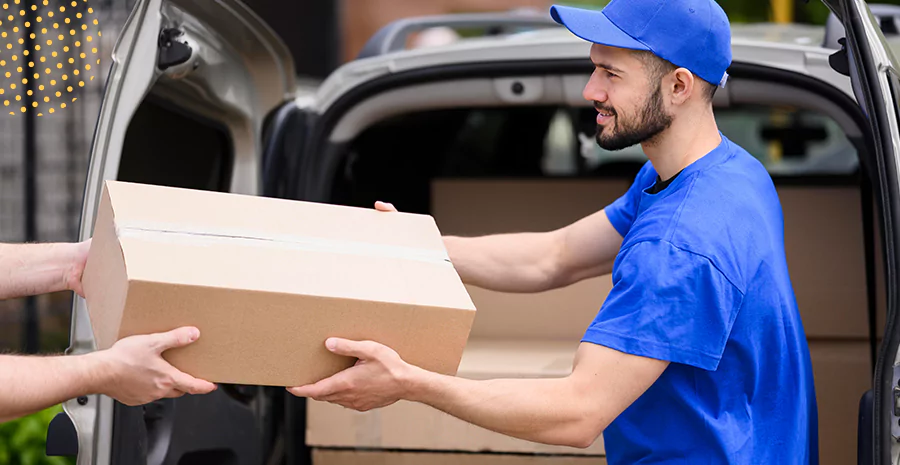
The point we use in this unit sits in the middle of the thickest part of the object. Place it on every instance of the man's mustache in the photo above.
(604, 109)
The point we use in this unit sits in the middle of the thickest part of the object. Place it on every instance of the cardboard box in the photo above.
(825, 251)
(413, 426)
(268, 280)
(841, 368)
(369, 457)
(471, 207)
(823, 242)
(843, 373)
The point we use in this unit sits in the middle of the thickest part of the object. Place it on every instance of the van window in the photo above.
(401, 154)
(170, 147)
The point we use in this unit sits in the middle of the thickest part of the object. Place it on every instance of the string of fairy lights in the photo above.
(62, 56)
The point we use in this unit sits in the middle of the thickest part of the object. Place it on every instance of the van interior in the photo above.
(480, 165)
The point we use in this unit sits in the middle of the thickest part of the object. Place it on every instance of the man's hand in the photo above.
(570, 411)
(135, 372)
(385, 207)
(79, 255)
(379, 378)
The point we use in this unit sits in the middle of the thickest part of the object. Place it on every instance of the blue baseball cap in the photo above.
(691, 34)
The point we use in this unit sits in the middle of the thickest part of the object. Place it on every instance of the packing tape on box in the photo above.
(294, 242)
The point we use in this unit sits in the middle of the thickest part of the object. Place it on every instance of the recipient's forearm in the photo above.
(539, 410)
(31, 269)
(33, 383)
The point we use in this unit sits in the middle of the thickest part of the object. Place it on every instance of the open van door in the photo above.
(191, 85)
(866, 57)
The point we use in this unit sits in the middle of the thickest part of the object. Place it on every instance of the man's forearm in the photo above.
(31, 269)
(33, 383)
(539, 410)
(518, 262)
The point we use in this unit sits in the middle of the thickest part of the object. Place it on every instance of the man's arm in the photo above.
(535, 262)
(132, 371)
(31, 269)
(570, 411)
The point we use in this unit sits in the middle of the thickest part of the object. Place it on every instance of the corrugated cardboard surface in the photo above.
(353, 457)
(843, 373)
(823, 235)
(407, 425)
(824, 244)
(476, 207)
(267, 281)
(841, 368)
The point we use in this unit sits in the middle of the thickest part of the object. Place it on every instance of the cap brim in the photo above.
(594, 26)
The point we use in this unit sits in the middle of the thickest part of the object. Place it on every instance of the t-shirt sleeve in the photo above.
(669, 304)
(622, 211)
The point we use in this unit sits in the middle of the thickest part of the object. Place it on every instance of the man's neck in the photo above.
(684, 142)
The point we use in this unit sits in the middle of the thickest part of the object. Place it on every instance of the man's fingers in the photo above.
(189, 384)
(360, 349)
(303, 391)
(313, 391)
(174, 394)
(179, 337)
(326, 388)
(384, 207)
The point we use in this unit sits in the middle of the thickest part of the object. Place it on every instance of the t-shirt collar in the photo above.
(714, 157)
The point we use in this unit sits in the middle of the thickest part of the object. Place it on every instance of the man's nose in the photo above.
(594, 90)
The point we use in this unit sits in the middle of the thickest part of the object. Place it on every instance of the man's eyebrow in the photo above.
(607, 67)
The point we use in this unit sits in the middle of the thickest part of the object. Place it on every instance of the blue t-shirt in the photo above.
(701, 281)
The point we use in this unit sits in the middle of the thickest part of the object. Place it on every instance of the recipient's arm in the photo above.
(32, 269)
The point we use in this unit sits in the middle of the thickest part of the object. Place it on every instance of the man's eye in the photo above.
(608, 74)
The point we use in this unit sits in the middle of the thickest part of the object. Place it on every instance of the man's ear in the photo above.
(682, 85)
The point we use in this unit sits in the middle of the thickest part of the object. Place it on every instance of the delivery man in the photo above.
(698, 354)
(131, 371)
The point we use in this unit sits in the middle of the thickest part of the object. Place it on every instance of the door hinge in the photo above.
(839, 60)
(172, 52)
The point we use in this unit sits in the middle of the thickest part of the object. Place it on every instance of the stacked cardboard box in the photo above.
(537, 335)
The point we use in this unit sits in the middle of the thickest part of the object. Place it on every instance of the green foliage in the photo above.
(23, 441)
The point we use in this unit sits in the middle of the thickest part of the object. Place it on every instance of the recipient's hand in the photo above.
(78, 254)
(378, 379)
(135, 372)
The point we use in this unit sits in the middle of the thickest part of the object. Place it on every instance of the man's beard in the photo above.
(653, 120)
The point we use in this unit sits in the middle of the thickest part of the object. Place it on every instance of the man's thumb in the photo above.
(346, 347)
(176, 338)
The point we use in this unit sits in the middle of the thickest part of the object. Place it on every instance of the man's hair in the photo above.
(658, 67)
